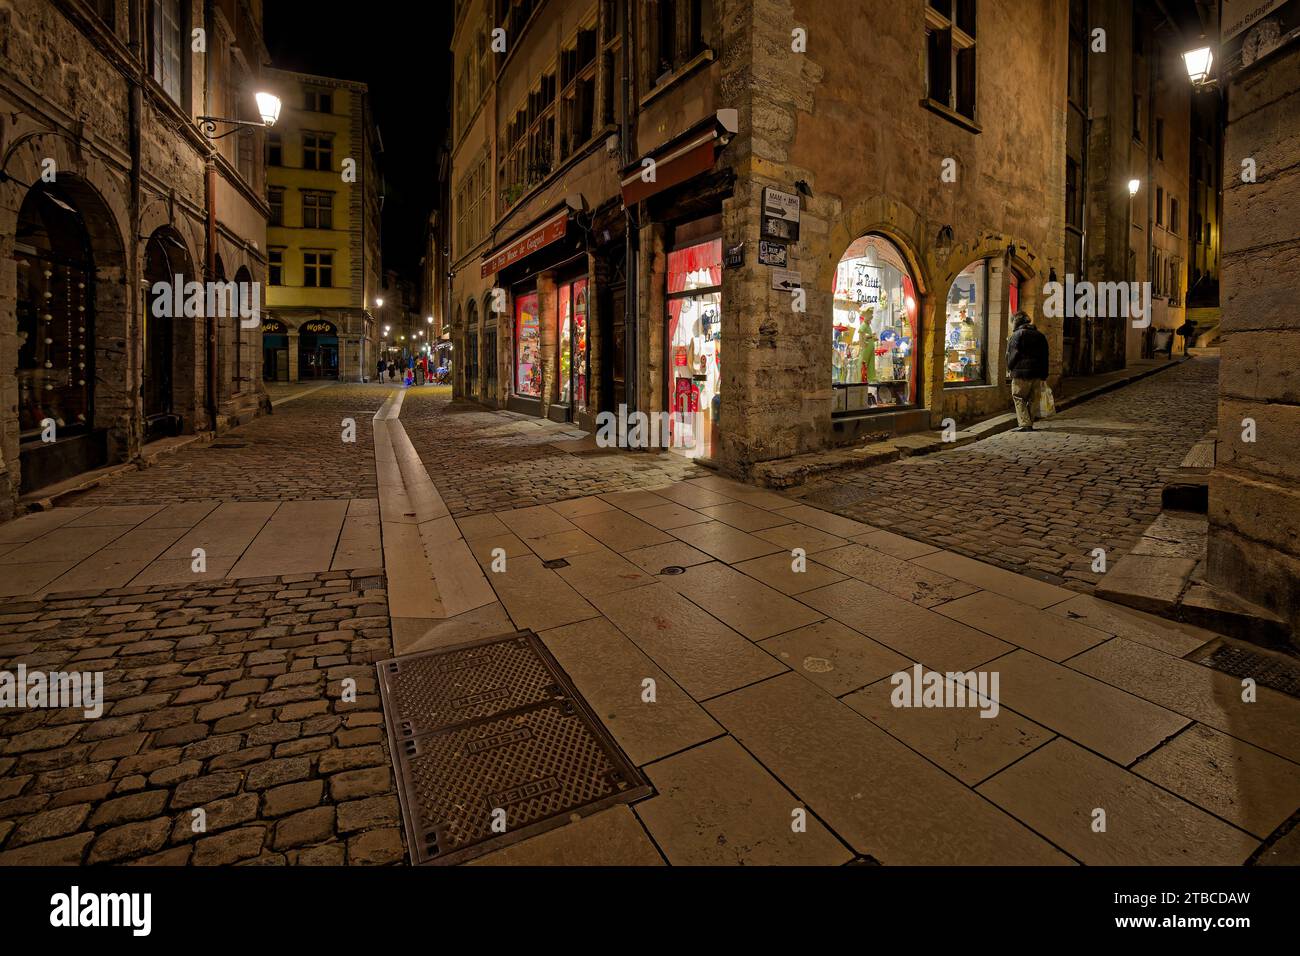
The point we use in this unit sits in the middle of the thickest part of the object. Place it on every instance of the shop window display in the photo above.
(572, 303)
(966, 327)
(874, 328)
(528, 347)
(694, 346)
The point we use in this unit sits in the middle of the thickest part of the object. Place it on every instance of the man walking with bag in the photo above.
(1027, 367)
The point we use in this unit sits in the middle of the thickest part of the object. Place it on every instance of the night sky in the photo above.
(406, 63)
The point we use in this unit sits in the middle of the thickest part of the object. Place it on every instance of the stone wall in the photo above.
(1254, 546)
(846, 118)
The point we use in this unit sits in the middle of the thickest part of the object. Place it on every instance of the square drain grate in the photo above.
(492, 744)
(1282, 674)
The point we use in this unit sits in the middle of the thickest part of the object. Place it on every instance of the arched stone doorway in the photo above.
(167, 334)
(318, 350)
(241, 372)
(70, 312)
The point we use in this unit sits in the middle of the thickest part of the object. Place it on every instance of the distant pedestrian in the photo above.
(1027, 367)
(383, 366)
(1188, 331)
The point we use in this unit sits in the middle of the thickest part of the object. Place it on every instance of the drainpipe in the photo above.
(210, 200)
(135, 106)
(632, 235)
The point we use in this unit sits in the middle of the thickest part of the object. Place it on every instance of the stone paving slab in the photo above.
(724, 542)
(740, 601)
(962, 741)
(1271, 722)
(1117, 725)
(610, 672)
(778, 571)
(1054, 637)
(834, 657)
(1178, 640)
(697, 650)
(915, 632)
(1037, 594)
(716, 806)
(866, 785)
(1059, 787)
(920, 586)
(1248, 787)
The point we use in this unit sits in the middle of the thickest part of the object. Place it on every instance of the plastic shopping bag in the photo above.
(1046, 402)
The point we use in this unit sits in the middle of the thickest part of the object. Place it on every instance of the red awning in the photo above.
(680, 159)
(543, 234)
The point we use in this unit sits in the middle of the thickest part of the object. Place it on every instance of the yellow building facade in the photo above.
(324, 188)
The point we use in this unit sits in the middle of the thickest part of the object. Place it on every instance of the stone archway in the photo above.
(65, 240)
(168, 381)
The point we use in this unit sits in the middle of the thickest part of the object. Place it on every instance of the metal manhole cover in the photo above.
(365, 584)
(1268, 670)
(492, 744)
(672, 569)
(555, 563)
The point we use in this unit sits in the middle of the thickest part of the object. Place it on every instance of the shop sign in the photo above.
(553, 230)
(319, 328)
(783, 280)
(1252, 29)
(734, 257)
(780, 218)
(772, 253)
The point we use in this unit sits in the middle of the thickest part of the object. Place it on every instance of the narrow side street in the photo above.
(1040, 503)
(248, 692)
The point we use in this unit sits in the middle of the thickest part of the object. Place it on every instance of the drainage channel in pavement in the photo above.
(492, 744)
(1281, 673)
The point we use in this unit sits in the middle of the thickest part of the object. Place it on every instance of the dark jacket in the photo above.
(1027, 353)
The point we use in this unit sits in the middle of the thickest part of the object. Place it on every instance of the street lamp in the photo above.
(1198, 63)
(268, 108)
(1133, 186)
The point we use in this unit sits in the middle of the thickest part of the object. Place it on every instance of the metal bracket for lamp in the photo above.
(208, 124)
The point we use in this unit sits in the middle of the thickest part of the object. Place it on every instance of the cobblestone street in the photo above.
(1039, 503)
(224, 688)
(483, 460)
(295, 454)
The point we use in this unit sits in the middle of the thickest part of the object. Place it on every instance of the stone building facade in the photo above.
(1254, 544)
(109, 185)
(920, 147)
(324, 189)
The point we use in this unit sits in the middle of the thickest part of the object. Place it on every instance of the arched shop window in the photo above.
(966, 327)
(55, 319)
(874, 332)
